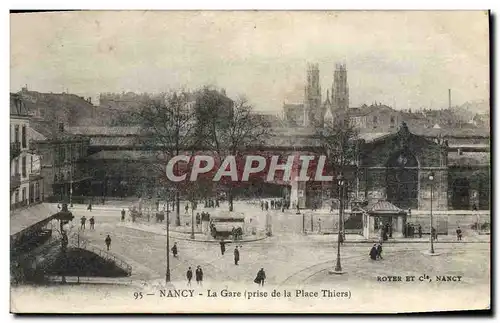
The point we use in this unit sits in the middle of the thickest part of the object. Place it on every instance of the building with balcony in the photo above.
(62, 162)
(25, 176)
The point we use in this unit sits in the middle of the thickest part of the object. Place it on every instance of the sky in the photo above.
(402, 59)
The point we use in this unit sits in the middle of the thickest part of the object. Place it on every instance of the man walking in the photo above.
(261, 277)
(379, 251)
(199, 275)
(186, 208)
(419, 231)
(373, 252)
(189, 275)
(123, 215)
(222, 247)
(92, 222)
(434, 235)
(459, 234)
(82, 221)
(236, 255)
(108, 242)
(174, 250)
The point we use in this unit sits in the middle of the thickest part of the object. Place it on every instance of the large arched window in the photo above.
(402, 180)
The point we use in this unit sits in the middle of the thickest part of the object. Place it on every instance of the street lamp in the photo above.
(341, 183)
(192, 220)
(431, 179)
(167, 274)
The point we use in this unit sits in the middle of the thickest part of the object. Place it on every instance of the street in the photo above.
(287, 257)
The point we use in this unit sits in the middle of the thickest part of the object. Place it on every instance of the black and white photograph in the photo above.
(250, 161)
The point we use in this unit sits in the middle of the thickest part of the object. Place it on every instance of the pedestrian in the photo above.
(459, 234)
(90, 207)
(186, 208)
(261, 277)
(189, 275)
(236, 255)
(419, 231)
(379, 251)
(267, 205)
(199, 275)
(222, 247)
(298, 208)
(217, 203)
(262, 205)
(341, 237)
(92, 222)
(82, 222)
(174, 250)
(108, 242)
(373, 252)
(319, 225)
(123, 215)
(434, 234)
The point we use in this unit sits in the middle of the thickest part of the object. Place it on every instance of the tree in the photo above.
(228, 128)
(339, 143)
(167, 130)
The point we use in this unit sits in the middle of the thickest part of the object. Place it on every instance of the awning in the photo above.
(384, 208)
(28, 217)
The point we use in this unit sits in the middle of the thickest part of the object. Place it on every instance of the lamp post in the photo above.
(341, 183)
(431, 179)
(71, 185)
(167, 274)
(303, 223)
(192, 220)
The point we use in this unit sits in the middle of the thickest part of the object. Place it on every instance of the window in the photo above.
(24, 195)
(60, 154)
(37, 191)
(24, 170)
(393, 121)
(16, 197)
(32, 193)
(375, 121)
(16, 167)
(23, 136)
(16, 133)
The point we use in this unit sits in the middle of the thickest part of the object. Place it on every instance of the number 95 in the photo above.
(138, 295)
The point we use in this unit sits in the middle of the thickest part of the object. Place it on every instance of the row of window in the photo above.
(71, 152)
(24, 166)
(34, 194)
(357, 121)
(24, 134)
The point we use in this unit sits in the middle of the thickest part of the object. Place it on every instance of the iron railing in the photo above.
(79, 242)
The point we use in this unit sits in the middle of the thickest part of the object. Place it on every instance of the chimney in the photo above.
(61, 127)
(449, 98)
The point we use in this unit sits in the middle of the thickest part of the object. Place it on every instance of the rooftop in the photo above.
(105, 131)
(23, 218)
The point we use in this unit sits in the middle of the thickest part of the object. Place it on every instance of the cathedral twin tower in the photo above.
(338, 98)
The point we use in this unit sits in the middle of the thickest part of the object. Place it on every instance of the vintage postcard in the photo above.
(250, 161)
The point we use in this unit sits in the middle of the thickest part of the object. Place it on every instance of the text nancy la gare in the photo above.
(226, 293)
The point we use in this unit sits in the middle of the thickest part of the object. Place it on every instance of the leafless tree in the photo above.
(338, 141)
(168, 128)
(229, 129)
